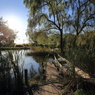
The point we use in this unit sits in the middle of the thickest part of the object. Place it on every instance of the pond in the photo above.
(19, 56)
(13, 75)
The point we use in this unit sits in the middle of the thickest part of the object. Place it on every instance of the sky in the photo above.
(16, 15)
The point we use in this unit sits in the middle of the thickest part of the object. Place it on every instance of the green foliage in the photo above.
(34, 5)
(39, 38)
(76, 15)
(83, 53)
(68, 41)
(42, 38)
(87, 38)
(83, 15)
(82, 92)
(54, 40)
(47, 14)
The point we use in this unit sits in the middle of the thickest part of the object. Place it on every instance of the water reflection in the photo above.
(29, 61)
(41, 59)
(23, 61)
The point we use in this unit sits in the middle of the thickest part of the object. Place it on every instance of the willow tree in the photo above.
(48, 13)
(82, 16)
(82, 19)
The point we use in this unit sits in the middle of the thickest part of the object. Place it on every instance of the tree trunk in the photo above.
(61, 41)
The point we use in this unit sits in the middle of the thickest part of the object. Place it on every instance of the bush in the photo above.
(82, 53)
(83, 92)
(80, 92)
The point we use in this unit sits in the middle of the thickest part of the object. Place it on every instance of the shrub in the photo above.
(83, 92)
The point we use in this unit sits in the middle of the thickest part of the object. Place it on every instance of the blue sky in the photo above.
(15, 12)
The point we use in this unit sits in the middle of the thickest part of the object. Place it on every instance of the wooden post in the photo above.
(26, 76)
(26, 83)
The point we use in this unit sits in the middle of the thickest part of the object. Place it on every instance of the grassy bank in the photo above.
(40, 51)
(39, 48)
(13, 48)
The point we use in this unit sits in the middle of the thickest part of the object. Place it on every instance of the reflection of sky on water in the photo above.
(21, 59)
(26, 62)
(29, 61)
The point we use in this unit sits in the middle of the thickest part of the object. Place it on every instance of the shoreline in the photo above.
(13, 48)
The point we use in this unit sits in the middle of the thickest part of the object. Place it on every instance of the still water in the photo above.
(22, 59)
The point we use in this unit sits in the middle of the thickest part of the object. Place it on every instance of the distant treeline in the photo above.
(69, 39)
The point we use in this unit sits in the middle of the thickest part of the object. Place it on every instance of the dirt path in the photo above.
(52, 88)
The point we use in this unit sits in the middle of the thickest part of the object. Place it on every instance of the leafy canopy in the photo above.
(7, 35)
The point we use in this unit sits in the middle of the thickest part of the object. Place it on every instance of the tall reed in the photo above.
(11, 76)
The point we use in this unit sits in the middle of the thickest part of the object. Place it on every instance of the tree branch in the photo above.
(48, 3)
